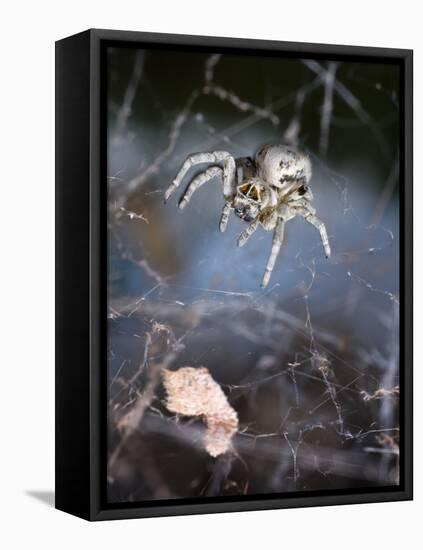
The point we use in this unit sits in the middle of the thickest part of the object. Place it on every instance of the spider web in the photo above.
(310, 364)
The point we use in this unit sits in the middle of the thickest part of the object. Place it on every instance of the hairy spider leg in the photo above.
(197, 182)
(224, 218)
(246, 234)
(247, 166)
(276, 246)
(319, 225)
(199, 158)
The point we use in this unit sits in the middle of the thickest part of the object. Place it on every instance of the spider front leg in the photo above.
(248, 167)
(276, 246)
(197, 182)
(248, 170)
(198, 158)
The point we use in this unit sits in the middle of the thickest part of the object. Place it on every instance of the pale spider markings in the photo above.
(268, 191)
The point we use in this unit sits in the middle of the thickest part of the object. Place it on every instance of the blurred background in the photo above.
(310, 364)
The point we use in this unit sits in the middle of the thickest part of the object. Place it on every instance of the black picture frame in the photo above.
(81, 282)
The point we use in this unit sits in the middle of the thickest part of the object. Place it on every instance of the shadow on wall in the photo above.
(46, 497)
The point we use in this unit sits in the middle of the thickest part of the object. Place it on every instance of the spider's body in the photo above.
(267, 191)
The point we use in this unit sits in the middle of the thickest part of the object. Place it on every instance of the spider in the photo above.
(267, 191)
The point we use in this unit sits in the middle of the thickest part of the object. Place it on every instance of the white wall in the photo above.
(29, 30)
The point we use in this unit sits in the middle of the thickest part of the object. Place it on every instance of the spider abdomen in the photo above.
(281, 164)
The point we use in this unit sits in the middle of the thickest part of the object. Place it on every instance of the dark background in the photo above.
(300, 361)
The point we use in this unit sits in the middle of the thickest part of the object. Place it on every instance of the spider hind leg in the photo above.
(246, 234)
(276, 246)
(320, 226)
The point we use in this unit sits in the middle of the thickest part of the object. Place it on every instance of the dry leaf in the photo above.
(193, 392)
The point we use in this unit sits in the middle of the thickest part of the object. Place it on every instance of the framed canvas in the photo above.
(234, 275)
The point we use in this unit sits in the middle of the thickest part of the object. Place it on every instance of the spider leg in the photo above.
(198, 158)
(248, 170)
(276, 246)
(246, 234)
(318, 224)
(247, 165)
(197, 182)
(229, 175)
(224, 218)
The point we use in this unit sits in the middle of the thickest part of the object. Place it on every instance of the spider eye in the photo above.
(303, 190)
